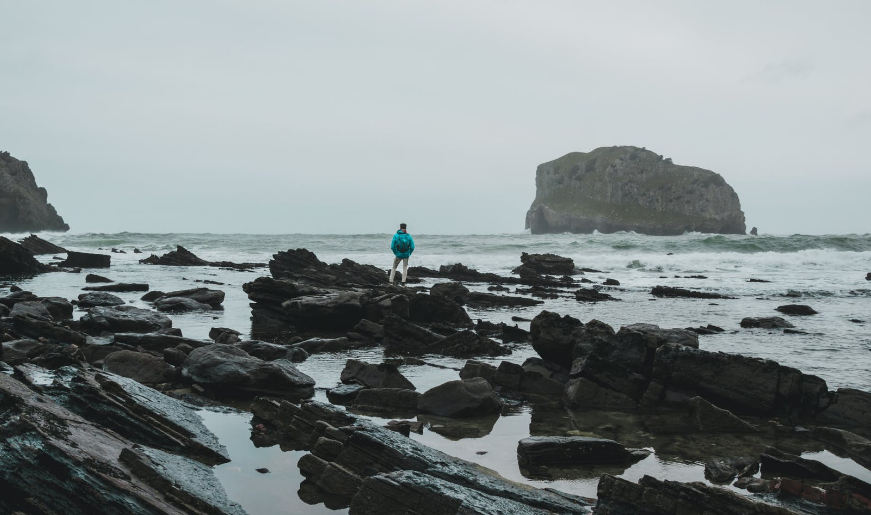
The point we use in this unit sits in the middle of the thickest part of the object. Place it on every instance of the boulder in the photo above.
(452, 290)
(174, 356)
(797, 310)
(465, 344)
(461, 398)
(60, 308)
(98, 298)
(219, 332)
(208, 296)
(480, 300)
(548, 264)
(855, 446)
(231, 371)
(118, 287)
(765, 323)
(627, 188)
(16, 260)
(555, 338)
(385, 375)
(778, 463)
(16, 351)
(86, 260)
(404, 337)
(17, 296)
(31, 309)
(43, 329)
(591, 295)
(178, 257)
(850, 408)
(180, 304)
(139, 366)
(94, 278)
(24, 206)
(157, 342)
(668, 291)
(370, 329)
(423, 308)
(318, 345)
(303, 266)
(123, 319)
(537, 451)
(152, 296)
(37, 246)
(344, 395)
(868, 276)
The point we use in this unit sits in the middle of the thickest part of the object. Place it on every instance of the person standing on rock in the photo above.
(402, 247)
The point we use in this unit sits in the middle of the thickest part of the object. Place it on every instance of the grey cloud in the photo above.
(787, 69)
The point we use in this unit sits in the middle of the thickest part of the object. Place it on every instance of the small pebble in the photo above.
(263, 470)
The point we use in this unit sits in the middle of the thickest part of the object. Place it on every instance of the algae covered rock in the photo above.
(614, 189)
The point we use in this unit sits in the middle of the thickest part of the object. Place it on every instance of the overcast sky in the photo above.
(351, 116)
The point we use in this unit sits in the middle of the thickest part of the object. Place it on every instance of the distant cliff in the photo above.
(631, 189)
(24, 206)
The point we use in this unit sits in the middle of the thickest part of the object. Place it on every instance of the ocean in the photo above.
(826, 272)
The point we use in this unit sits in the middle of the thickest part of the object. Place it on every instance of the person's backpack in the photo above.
(403, 244)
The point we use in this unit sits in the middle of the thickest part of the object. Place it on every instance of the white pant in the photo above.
(404, 269)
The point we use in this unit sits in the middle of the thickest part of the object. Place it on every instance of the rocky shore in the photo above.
(100, 399)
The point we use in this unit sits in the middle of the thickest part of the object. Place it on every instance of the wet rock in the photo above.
(537, 451)
(370, 329)
(776, 463)
(385, 375)
(17, 296)
(555, 338)
(37, 246)
(466, 344)
(16, 260)
(123, 319)
(462, 398)
(650, 496)
(611, 282)
(423, 308)
(208, 296)
(224, 334)
(94, 299)
(18, 351)
(548, 264)
(94, 278)
(183, 257)
(142, 368)
(592, 295)
(765, 322)
(387, 400)
(868, 276)
(229, 370)
(59, 308)
(658, 336)
(180, 305)
(271, 352)
(303, 266)
(667, 291)
(31, 309)
(723, 470)
(706, 417)
(856, 447)
(30, 327)
(404, 337)
(367, 449)
(480, 300)
(850, 408)
(797, 310)
(452, 290)
(86, 260)
(152, 296)
(344, 395)
(174, 356)
(118, 287)
(157, 342)
(531, 378)
(84, 429)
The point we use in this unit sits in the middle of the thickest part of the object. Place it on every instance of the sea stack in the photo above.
(24, 206)
(614, 189)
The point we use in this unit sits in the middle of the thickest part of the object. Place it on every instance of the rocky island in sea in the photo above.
(614, 189)
(384, 398)
(24, 206)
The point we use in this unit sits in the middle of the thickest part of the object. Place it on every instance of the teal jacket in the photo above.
(402, 244)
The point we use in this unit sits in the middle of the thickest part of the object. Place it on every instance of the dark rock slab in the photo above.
(318, 345)
(230, 371)
(98, 298)
(183, 257)
(592, 295)
(38, 246)
(480, 300)
(387, 400)
(16, 260)
(650, 496)
(797, 310)
(86, 260)
(424, 308)
(31, 309)
(549, 264)
(208, 296)
(778, 463)
(17, 351)
(850, 408)
(271, 351)
(31, 327)
(118, 287)
(124, 319)
(157, 342)
(344, 395)
(404, 337)
(303, 266)
(94, 278)
(765, 322)
(180, 305)
(706, 417)
(855, 446)
(670, 292)
(452, 290)
(139, 366)
(537, 451)
(60, 308)
(465, 344)
(462, 398)
(384, 375)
